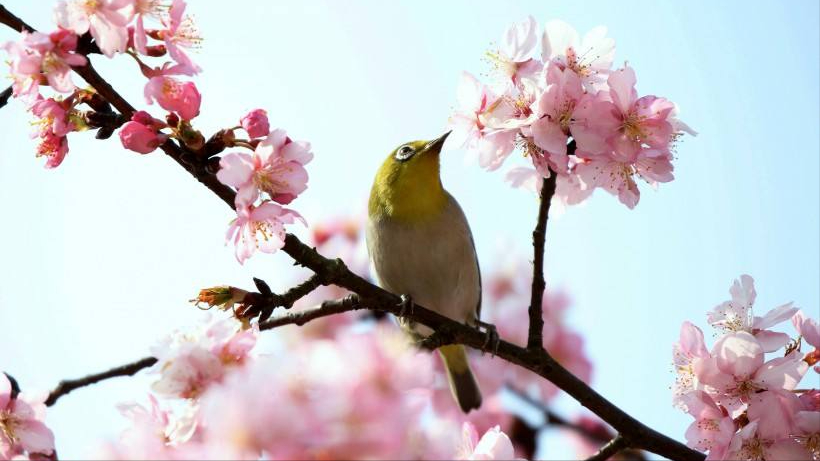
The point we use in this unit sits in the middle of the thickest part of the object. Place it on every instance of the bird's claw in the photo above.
(407, 306)
(493, 339)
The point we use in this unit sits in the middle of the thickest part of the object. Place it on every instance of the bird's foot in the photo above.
(493, 340)
(407, 306)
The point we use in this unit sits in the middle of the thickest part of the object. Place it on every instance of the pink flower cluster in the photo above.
(747, 406)
(23, 433)
(360, 395)
(569, 93)
(46, 59)
(274, 172)
(189, 362)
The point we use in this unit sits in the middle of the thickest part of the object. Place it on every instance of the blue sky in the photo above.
(100, 255)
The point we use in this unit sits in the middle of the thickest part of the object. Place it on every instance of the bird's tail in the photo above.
(462, 382)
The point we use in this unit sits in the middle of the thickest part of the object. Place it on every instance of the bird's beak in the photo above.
(436, 144)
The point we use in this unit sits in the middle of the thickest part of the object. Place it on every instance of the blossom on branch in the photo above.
(39, 58)
(745, 406)
(22, 430)
(107, 20)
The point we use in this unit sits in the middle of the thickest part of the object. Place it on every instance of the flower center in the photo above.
(8, 423)
(753, 449)
(632, 126)
(574, 63)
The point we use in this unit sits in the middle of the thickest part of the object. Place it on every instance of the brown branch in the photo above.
(68, 385)
(535, 338)
(5, 95)
(610, 449)
(348, 303)
(9, 19)
(535, 359)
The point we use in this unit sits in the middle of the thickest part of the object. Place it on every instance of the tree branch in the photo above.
(9, 19)
(610, 449)
(5, 95)
(535, 338)
(334, 271)
(348, 303)
(68, 385)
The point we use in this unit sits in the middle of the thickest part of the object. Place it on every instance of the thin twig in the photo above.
(68, 385)
(610, 449)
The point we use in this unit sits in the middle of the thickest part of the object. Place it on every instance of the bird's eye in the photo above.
(404, 153)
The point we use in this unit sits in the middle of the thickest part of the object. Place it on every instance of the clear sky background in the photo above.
(100, 256)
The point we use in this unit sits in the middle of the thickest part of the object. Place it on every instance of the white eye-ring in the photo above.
(404, 152)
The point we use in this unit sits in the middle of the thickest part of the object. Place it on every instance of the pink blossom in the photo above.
(749, 444)
(260, 228)
(807, 425)
(712, 429)
(808, 328)
(637, 122)
(554, 109)
(737, 315)
(39, 55)
(173, 95)
(469, 124)
(255, 123)
(513, 58)
(107, 20)
(140, 138)
(615, 173)
(685, 353)
(21, 424)
(494, 444)
(191, 361)
(53, 147)
(378, 385)
(181, 32)
(275, 168)
(54, 116)
(736, 370)
(145, 9)
(590, 58)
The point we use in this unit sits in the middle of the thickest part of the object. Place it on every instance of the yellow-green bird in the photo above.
(421, 246)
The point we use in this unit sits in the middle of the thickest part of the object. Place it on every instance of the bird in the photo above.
(421, 247)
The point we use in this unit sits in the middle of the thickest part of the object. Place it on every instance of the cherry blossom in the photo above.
(180, 32)
(21, 424)
(685, 353)
(53, 147)
(260, 228)
(494, 444)
(275, 168)
(255, 123)
(140, 138)
(737, 370)
(144, 9)
(469, 124)
(712, 429)
(737, 315)
(191, 361)
(590, 57)
(513, 59)
(54, 116)
(107, 20)
(174, 95)
(39, 56)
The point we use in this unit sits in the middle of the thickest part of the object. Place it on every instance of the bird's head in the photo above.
(407, 186)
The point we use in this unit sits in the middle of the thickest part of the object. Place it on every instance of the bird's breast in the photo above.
(433, 261)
